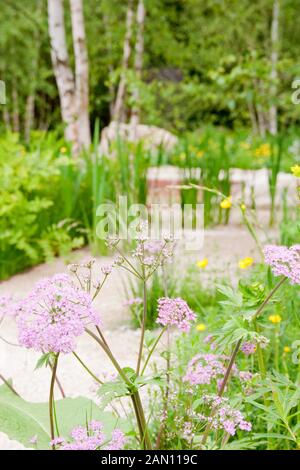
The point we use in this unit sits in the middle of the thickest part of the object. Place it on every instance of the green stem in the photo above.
(221, 390)
(143, 327)
(153, 348)
(234, 354)
(144, 432)
(111, 357)
(128, 262)
(260, 354)
(100, 287)
(137, 404)
(9, 385)
(87, 369)
(272, 292)
(51, 396)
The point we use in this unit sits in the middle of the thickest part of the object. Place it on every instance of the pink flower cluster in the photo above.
(175, 312)
(90, 438)
(284, 261)
(204, 368)
(224, 417)
(54, 314)
(248, 348)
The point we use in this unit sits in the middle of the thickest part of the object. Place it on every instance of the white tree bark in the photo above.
(81, 73)
(119, 102)
(63, 72)
(273, 122)
(138, 64)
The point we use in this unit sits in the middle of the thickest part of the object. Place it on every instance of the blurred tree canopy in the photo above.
(205, 61)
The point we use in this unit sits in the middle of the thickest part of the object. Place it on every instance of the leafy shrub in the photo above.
(32, 207)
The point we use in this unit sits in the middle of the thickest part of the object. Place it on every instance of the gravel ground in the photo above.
(223, 247)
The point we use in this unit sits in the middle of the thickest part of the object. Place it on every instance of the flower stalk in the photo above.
(51, 400)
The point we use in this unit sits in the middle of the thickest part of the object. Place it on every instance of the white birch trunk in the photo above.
(63, 72)
(273, 122)
(138, 65)
(81, 73)
(119, 103)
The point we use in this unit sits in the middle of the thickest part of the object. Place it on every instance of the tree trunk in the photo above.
(273, 122)
(30, 101)
(138, 65)
(6, 119)
(119, 103)
(29, 116)
(108, 41)
(16, 110)
(252, 114)
(63, 72)
(81, 73)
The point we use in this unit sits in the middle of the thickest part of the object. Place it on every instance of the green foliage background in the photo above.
(204, 61)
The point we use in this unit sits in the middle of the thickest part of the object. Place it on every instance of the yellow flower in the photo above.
(202, 263)
(264, 150)
(200, 153)
(201, 327)
(243, 207)
(226, 203)
(246, 262)
(245, 145)
(63, 150)
(296, 170)
(275, 318)
(287, 349)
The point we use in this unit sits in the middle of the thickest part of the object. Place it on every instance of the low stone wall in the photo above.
(246, 184)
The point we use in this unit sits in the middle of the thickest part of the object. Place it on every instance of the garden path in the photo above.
(223, 247)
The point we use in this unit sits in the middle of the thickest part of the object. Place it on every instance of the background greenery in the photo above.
(205, 61)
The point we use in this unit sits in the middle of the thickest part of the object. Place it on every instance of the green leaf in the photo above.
(272, 436)
(44, 360)
(21, 420)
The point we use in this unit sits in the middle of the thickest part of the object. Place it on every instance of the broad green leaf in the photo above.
(21, 420)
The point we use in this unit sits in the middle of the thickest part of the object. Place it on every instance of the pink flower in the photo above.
(245, 376)
(204, 368)
(57, 441)
(117, 442)
(248, 348)
(229, 427)
(90, 438)
(284, 261)
(175, 312)
(54, 314)
(224, 416)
